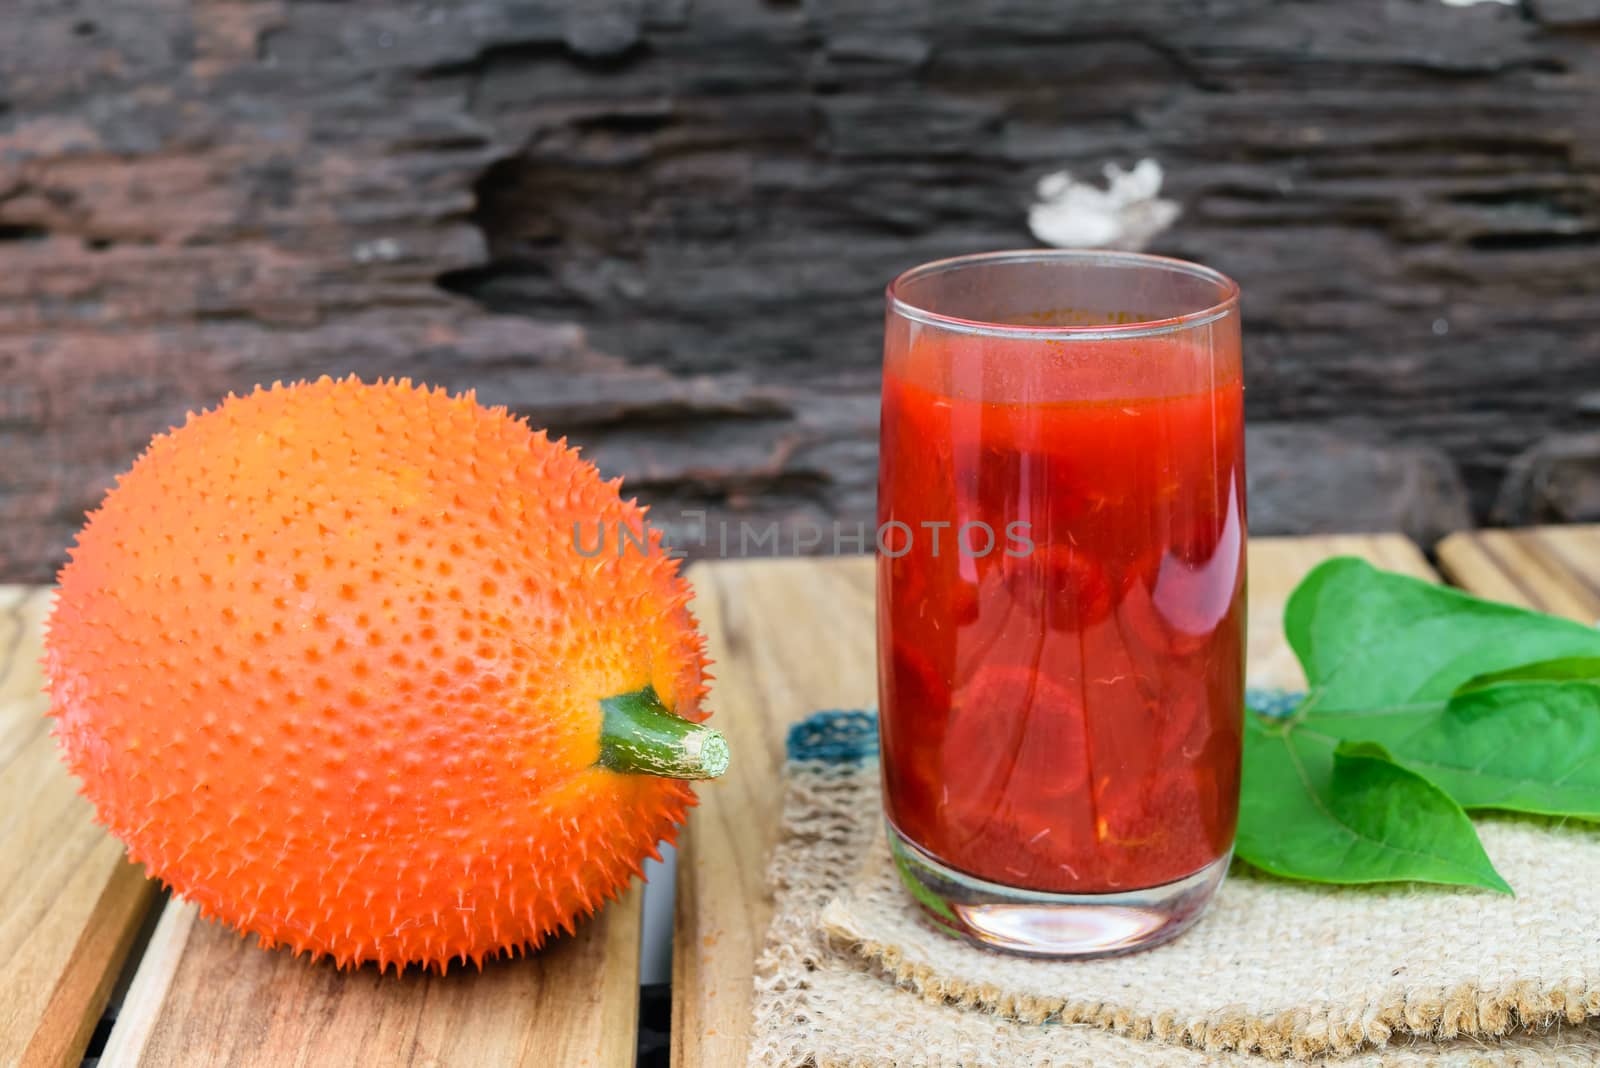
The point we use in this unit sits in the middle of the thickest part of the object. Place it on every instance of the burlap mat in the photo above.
(850, 975)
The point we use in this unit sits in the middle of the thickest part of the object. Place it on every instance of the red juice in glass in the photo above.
(1061, 595)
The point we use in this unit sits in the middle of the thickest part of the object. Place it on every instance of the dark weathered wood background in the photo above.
(663, 227)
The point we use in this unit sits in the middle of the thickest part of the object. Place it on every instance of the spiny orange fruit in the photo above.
(333, 664)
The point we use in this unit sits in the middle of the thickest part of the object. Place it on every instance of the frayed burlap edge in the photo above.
(820, 808)
(1466, 1012)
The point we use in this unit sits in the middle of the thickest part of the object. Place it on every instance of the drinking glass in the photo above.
(1060, 578)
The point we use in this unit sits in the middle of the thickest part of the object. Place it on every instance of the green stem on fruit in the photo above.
(640, 736)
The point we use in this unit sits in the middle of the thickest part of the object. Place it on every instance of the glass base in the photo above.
(1038, 923)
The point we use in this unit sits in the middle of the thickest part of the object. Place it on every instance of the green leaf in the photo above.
(1422, 700)
(1485, 699)
(1332, 812)
(1566, 669)
(1516, 746)
(1372, 641)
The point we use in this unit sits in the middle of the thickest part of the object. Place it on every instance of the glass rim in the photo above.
(1227, 287)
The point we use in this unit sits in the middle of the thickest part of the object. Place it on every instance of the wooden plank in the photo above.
(1553, 569)
(787, 637)
(72, 904)
(793, 636)
(205, 996)
(277, 231)
(1278, 564)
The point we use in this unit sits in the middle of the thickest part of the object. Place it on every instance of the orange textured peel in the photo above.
(328, 660)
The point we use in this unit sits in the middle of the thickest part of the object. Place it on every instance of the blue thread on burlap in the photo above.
(1274, 704)
(837, 736)
(850, 736)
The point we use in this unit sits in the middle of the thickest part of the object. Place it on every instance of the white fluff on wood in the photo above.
(1126, 214)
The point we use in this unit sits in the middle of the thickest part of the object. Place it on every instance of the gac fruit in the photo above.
(333, 664)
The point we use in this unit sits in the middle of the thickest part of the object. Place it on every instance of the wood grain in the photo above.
(198, 195)
(204, 996)
(72, 903)
(1276, 567)
(787, 637)
(1553, 569)
(790, 637)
